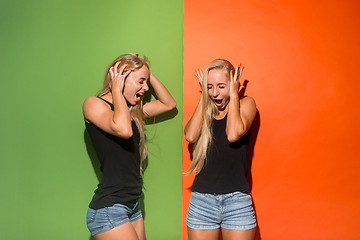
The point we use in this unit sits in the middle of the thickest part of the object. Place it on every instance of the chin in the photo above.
(131, 103)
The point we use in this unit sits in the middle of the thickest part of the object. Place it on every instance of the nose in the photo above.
(214, 93)
(145, 87)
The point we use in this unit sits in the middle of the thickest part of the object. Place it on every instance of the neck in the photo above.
(220, 114)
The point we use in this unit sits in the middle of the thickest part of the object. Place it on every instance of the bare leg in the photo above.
(139, 227)
(125, 231)
(203, 234)
(238, 234)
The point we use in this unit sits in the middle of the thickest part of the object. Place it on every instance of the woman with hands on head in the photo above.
(219, 130)
(115, 123)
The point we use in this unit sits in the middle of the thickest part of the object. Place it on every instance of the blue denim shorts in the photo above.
(107, 218)
(232, 211)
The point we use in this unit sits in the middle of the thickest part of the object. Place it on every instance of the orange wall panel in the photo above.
(302, 61)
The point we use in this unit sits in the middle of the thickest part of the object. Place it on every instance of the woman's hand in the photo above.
(165, 102)
(118, 78)
(199, 75)
(235, 86)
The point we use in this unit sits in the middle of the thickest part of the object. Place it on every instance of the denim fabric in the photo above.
(232, 211)
(107, 218)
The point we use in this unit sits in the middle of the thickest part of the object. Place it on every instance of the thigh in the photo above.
(238, 234)
(139, 227)
(194, 234)
(125, 231)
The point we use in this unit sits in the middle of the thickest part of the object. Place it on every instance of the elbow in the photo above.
(234, 136)
(123, 132)
(190, 138)
(172, 105)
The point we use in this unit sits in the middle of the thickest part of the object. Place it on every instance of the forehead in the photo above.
(217, 76)
(143, 72)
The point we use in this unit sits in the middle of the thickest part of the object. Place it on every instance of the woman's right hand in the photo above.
(118, 77)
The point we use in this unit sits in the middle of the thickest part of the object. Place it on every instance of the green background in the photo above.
(53, 55)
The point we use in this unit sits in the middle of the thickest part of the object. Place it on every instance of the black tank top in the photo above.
(120, 163)
(225, 168)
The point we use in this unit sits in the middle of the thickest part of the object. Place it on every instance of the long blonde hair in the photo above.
(209, 110)
(134, 62)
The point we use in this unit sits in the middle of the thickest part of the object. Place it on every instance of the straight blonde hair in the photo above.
(209, 110)
(134, 62)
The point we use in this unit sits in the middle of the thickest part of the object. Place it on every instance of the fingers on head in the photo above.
(111, 71)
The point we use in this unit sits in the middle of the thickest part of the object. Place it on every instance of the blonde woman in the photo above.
(219, 129)
(114, 121)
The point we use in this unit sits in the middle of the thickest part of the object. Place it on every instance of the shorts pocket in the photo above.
(240, 196)
(117, 213)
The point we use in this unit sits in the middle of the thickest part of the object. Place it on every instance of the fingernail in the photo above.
(119, 61)
(126, 62)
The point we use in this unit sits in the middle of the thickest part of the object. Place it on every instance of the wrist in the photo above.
(152, 77)
(116, 87)
(116, 92)
(234, 95)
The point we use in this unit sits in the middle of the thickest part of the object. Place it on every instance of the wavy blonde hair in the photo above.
(209, 110)
(135, 62)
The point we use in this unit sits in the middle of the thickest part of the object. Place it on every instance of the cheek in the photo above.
(225, 92)
(210, 92)
(129, 86)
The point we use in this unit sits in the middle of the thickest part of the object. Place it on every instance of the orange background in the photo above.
(302, 62)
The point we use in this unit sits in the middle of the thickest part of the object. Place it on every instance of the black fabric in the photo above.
(120, 163)
(225, 168)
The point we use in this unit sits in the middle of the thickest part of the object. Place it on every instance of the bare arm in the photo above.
(164, 103)
(241, 113)
(193, 127)
(96, 111)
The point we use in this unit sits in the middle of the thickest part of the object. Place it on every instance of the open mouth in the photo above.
(217, 102)
(139, 94)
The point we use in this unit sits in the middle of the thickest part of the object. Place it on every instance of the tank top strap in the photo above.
(110, 104)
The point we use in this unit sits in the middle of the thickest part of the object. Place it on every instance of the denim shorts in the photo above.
(232, 211)
(107, 218)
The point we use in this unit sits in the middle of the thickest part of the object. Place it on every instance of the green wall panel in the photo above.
(53, 55)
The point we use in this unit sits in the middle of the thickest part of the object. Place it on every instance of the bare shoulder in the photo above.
(93, 101)
(90, 102)
(93, 106)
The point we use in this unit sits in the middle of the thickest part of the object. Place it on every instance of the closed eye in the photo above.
(142, 80)
(221, 86)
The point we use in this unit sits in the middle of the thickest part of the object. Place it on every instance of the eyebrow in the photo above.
(209, 84)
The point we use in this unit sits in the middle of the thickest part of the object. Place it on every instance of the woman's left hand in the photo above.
(235, 86)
